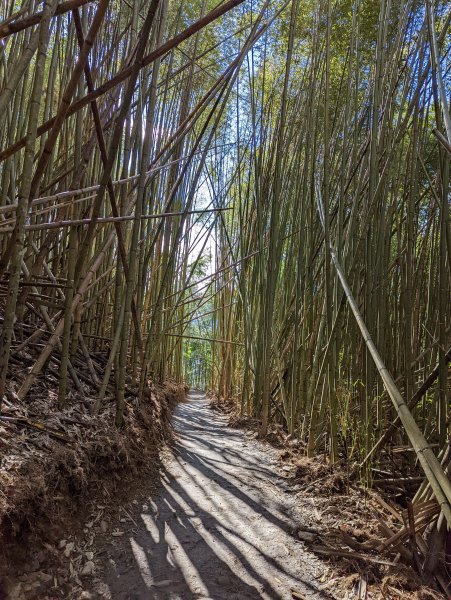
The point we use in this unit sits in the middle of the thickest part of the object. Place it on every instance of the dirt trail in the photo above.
(219, 527)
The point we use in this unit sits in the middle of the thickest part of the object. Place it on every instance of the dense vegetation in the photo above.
(251, 195)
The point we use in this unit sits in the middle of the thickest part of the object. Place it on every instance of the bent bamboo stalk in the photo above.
(433, 470)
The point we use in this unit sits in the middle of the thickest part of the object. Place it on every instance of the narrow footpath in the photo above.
(220, 526)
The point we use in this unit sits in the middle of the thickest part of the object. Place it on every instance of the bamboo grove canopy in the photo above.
(252, 191)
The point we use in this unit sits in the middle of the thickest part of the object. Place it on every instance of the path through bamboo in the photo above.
(219, 527)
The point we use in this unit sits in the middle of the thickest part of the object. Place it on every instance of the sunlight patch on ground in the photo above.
(142, 562)
(151, 527)
(190, 572)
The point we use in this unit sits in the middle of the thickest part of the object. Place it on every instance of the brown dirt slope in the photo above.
(54, 461)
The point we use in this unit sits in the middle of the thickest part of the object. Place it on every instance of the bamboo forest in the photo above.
(225, 317)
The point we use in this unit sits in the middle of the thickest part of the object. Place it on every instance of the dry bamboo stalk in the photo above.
(10, 28)
(105, 220)
(127, 72)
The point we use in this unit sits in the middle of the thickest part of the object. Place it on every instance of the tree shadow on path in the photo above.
(219, 526)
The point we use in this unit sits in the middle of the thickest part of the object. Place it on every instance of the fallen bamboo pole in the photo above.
(203, 339)
(106, 220)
